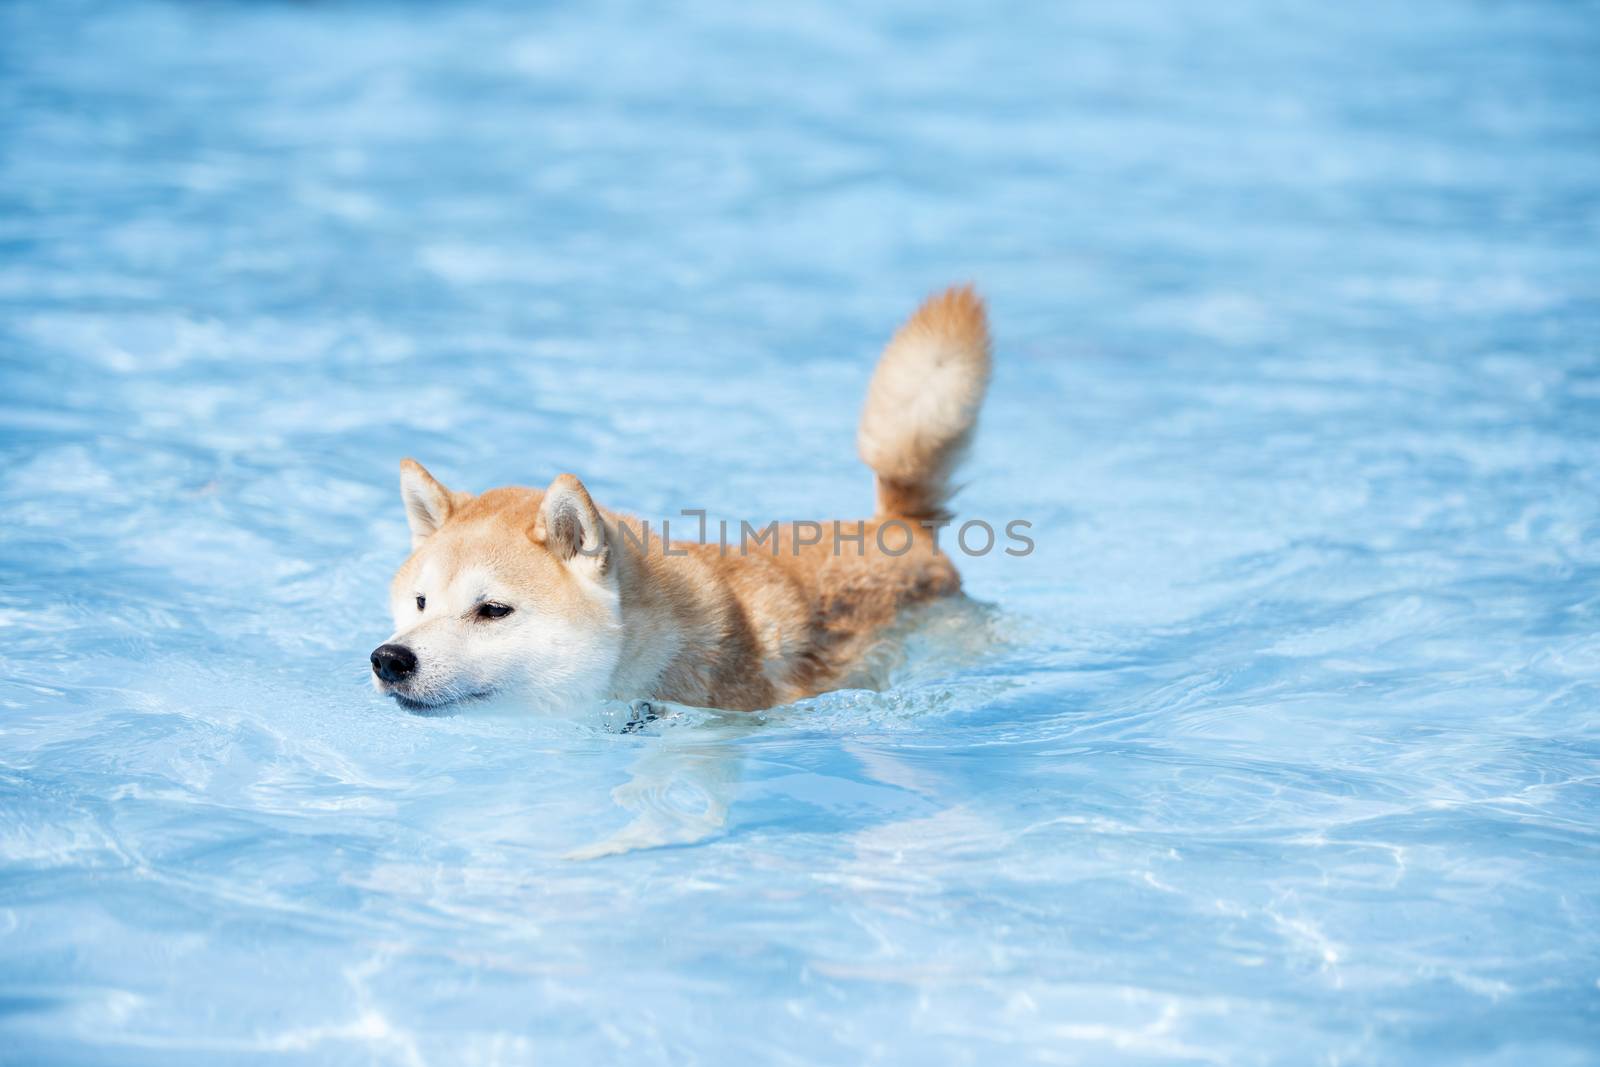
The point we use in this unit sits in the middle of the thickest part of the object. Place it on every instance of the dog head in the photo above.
(511, 590)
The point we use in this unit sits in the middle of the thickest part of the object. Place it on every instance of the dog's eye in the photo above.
(493, 611)
(422, 601)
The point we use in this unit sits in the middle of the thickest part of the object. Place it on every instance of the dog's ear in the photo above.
(570, 526)
(428, 503)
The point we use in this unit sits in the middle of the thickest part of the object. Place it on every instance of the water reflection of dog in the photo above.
(681, 788)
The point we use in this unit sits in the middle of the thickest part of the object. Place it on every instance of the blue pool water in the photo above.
(1283, 747)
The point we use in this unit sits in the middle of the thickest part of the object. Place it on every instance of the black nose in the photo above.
(393, 662)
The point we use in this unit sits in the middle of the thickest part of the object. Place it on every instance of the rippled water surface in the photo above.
(1283, 747)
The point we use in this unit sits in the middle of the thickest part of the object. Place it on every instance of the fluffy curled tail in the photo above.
(922, 405)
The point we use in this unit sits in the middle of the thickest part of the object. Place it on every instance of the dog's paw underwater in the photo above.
(544, 597)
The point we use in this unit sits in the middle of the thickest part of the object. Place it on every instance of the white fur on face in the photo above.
(542, 652)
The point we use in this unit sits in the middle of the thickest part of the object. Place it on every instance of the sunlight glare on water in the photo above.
(1282, 746)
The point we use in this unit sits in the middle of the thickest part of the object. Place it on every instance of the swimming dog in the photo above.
(547, 596)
